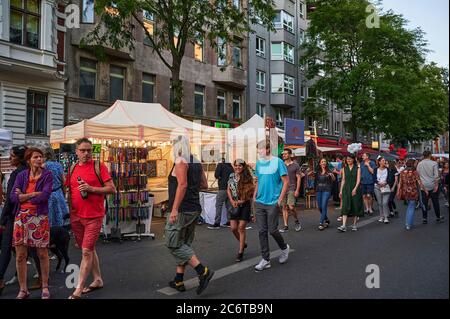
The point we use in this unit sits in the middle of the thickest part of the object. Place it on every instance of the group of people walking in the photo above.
(35, 204)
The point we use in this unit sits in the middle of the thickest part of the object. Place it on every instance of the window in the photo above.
(198, 49)
(116, 83)
(148, 88)
(301, 36)
(221, 105)
(87, 11)
(260, 80)
(276, 51)
(282, 50)
(149, 25)
(260, 47)
(337, 128)
(237, 57)
(302, 93)
(284, 20)
(279, 117)
(261, 109)
(282, 83)
(326, 125)
(236, 107)
(199, 99)
(88, 78)
(288, 52)
(302, 10)
(36, 113)
(221, 52)
(25, 22)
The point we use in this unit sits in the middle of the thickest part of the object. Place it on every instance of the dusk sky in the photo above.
(432, 16)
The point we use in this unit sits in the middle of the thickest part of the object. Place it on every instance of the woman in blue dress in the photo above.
(57, 207)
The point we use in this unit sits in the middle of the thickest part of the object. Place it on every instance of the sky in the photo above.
(432, 17)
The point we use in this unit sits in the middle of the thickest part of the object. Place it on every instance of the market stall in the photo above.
(134, 141)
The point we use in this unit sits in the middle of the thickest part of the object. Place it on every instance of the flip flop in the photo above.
(74, 297)
(91, 289)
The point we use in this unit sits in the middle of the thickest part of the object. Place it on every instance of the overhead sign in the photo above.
(222, 125)
(295, 131)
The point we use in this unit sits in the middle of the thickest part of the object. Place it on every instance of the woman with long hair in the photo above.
(17, 159)
(352, 204)
(323, 185)
(32, 190)
(240, 193)
(408, 190)
(382, 190)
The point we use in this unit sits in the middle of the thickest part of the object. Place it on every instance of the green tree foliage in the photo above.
(374, 72)
(190, 21)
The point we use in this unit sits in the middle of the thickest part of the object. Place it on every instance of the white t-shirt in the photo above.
(382, 175)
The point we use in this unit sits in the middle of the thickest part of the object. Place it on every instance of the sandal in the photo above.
(45, 295)
(74, 297)
(23, 294)
(91, 289)
(321, 227)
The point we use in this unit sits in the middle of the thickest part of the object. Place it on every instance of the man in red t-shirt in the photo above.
(86, 215)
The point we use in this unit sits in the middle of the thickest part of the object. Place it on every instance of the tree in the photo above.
(354, 58)
(177, 23)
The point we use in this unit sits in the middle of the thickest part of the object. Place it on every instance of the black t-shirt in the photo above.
(222, 173)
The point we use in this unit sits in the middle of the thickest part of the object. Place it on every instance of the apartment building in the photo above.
(32, 69)
(214, 87)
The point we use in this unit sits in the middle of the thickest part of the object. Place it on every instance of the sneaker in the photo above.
(327, 223)
(285, 229)
(342, 229)
(227, 225)
(424, 221)
(284, 255)
(408, 227)
(298, 227)
(354, 228)
(440, 219)
(446, 204)
(263, 264)
(391, 214)
(381, 220)
(215, 226)
(204, 280)
(177, 285)
(386, 221)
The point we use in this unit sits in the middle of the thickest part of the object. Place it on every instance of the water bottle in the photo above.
(84, 194)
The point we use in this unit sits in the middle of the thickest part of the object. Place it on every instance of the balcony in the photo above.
(284, 100)
(230, 76)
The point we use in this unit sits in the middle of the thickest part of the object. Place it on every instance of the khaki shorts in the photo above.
(289, 199)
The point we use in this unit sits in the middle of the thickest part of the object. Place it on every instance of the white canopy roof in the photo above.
(6, 137)
(134, 121)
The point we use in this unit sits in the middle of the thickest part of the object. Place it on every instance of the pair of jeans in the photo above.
(322, 203)
(410, 212)
(391, 202)
(267, 220)
(382, 200)
(222, 198)
(435, 199)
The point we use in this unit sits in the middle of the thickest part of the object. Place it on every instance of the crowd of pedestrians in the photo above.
(35, 203)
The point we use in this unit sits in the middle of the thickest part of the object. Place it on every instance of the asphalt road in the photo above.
(323, 265)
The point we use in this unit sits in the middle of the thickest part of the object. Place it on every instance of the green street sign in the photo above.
(96, 148)
(222, 125)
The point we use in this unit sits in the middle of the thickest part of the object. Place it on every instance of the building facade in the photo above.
(32, 69)
(213, 86)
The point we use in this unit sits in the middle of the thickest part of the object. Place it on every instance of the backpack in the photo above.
(97, 173)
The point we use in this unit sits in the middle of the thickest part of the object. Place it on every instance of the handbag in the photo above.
(385, 189)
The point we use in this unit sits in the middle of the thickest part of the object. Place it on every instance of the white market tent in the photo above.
(137, 122)
(444, 155)
(6, 137)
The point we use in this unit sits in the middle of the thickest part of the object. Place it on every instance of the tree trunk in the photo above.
(176, 90)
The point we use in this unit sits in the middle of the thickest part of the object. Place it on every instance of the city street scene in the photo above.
(194, 151)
